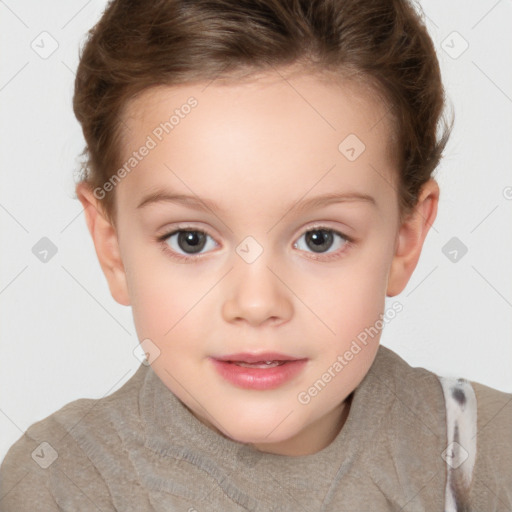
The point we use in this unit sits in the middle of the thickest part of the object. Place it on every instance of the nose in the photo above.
(256, 294)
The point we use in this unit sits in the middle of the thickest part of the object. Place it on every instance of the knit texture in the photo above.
(141, 449)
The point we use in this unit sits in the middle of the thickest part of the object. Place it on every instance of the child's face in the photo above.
(261, 152)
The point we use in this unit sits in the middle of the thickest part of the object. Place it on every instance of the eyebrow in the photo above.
(204, 204)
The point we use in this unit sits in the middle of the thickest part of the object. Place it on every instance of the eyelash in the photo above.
(349, 242)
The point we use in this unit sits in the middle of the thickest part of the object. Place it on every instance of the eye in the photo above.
(188, 244)
(185, 242)
(321, 239)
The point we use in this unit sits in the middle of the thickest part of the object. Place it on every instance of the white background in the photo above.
(63, 337)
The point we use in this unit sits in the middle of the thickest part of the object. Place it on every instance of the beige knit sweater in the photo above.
(140, 449)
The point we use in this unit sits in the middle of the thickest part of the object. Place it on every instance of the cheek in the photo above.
(354, 291)
(172, 305)
(350, 301)
(161, 293)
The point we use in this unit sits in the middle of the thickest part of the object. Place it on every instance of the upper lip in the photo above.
(254, 358)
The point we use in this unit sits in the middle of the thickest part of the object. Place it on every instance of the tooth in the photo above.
(259, 364)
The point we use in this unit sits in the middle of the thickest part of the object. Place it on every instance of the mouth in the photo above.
(259, 364)
(263, 359)
(262, 371)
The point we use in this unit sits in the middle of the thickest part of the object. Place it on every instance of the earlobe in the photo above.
(106, 243)
(410, 238)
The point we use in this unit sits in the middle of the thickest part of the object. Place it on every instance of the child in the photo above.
(228, 142)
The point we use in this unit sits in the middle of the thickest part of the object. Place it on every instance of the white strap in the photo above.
(460, 453)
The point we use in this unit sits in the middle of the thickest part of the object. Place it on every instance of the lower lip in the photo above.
(259, 378)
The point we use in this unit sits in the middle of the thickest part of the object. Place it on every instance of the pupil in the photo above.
(193, 240)
(321, 239)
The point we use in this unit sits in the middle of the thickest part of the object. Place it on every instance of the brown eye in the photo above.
(187, 242)
(321, 239)
(191, 241)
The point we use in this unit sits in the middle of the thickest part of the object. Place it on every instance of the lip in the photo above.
(247, 357)
(259, 378)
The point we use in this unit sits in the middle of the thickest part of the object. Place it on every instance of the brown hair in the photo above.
(383, 44)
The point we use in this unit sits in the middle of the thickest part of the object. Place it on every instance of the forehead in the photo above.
(290, 134)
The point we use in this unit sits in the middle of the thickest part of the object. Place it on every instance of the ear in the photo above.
(106, 243)
(411, 236)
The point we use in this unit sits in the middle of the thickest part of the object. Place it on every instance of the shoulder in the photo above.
(410, 392)
(494, 414)
(492, 478)
(494, 410)
(479, 451)
(490, 413)
(415, 385)
(422, 391)
(53, 456)
(494, 407)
